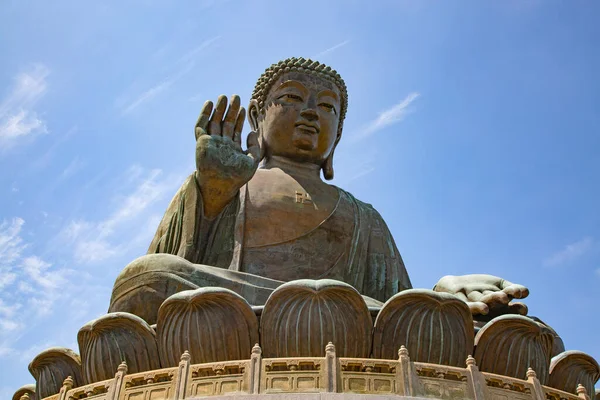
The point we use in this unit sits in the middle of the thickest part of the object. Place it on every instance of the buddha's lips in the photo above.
(311, 128)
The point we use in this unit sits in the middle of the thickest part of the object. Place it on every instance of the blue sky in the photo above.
(473, 128)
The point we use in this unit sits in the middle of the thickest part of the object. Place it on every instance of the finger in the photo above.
(231, 117)
(516, 291)
(461, 296)
(253, 146)
(518, 308)
(474, 295)
(203, 119)
(239, 125)
(495, 298)
(214, 126)
(480, 287)
(478, 307)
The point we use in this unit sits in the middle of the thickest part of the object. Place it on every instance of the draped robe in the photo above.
(353, 245)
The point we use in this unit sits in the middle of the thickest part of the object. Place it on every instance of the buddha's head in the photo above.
(298, 108)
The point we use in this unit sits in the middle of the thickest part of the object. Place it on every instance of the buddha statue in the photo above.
(251, 220)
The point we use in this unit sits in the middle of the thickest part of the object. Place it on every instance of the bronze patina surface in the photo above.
(250, 220)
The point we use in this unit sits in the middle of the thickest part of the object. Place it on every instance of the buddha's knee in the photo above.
(145, 283)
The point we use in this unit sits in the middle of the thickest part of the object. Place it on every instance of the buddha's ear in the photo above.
(253, 113)
(327, 166)
(253, 116)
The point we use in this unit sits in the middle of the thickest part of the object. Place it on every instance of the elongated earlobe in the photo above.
(328, 167)
(253, 117)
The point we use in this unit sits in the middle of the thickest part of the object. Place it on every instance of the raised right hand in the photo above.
(222, 166)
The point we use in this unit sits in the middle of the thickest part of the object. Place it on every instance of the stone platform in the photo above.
(309, 378)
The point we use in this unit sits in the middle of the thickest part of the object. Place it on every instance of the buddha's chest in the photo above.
(280, 208)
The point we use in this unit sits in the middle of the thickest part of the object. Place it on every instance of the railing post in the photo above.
(115, 390)
(330, 368)
(476, 381)
(67, 385)
(183, 376)
(581, 392)
(406, 376)
(538, 390)
(255, 369)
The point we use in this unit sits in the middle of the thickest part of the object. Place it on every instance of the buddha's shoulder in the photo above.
(366, 208)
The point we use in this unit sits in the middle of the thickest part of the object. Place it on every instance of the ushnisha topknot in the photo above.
(271, 74)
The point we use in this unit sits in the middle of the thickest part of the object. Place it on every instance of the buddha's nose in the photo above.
(310, 114)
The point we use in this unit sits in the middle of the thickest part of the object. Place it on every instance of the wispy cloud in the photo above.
(74, 166)
(181, 67)
(196, 97)
(11, 243)
(329, 50)
(96, 241)
(388, 117)
(24, 279)
(156, 90)
(17, 115)
(570, 253)
(350, 167)
(192, 54)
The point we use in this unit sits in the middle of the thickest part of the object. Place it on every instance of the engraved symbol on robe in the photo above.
(303, 198)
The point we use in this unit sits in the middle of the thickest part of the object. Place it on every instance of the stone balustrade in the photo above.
(397, 378)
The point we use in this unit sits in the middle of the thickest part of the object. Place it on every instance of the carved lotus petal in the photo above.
(25, 389)
(113, 338)
(51, 367)
(510, 344)
(213, 324)
(434, 327)
(570, 368)
(301, 317)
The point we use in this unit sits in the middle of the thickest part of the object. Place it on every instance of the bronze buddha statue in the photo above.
(250, 220)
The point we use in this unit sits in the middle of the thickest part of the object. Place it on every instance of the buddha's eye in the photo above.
(291, 97)
(327, 107)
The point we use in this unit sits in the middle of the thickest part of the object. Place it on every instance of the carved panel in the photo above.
(570, 368)
(301, 317)
(107, 341)
(25, 389)
(435, 328)
(51, 367)
(213, 324)
(510, 344)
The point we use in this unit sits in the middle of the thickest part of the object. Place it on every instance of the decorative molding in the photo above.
(51, 367)
(213, 324)
(510, 344)
(435, 327)
(106, 342)
(301, 317)
(571, 368)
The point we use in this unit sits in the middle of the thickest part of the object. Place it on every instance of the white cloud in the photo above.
(570, 253)
(187, 60)
(74, 166)
(196, 97)
(24, 278)
(38, 271)
(329, 50)
(11, 243)
(97, 241)
(17, 116)
(148, 95)
(389, 116)
(9, 310)
(190, 55)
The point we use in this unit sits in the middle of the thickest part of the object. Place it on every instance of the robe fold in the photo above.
(353, 241)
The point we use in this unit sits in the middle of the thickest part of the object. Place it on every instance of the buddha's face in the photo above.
(301, 118)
